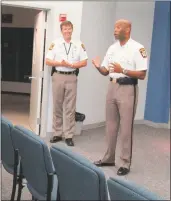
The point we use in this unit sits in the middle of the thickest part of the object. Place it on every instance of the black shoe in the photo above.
(101, 164)
(55, 139)
(122, 171)
(69, 142)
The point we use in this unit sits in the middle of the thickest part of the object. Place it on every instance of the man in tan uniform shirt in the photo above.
(125, 62)
(66, 55)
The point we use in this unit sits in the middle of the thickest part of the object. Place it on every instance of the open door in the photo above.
(37, 72)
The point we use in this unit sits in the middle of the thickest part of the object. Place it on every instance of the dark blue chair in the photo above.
(78, 178)
(36, 164)
(9, 156)
(120, 189)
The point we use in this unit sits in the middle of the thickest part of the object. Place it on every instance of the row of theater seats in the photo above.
(57, 173)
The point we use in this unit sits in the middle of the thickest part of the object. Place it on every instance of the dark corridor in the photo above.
(16, 53)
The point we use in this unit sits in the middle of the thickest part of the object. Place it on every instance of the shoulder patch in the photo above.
(51, 46)
(143, 52)
(82, 45)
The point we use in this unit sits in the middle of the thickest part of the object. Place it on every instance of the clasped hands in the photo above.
(66, 64)
(113, 67)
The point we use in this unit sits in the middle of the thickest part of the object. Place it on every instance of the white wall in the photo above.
(97, 35)
(98, 20)
(23, 18)
(95, 21)
(141, 15)
(92, 86)
(73, 9)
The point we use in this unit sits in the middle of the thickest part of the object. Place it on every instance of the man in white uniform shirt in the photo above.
(125, 62)
(66, 55)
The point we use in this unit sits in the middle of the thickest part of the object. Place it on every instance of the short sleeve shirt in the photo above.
(71, 52)
(131, 56)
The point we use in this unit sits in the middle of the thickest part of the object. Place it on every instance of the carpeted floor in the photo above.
(150, 162)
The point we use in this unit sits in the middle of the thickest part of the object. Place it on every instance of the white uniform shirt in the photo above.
(131, 56)
(72, 52)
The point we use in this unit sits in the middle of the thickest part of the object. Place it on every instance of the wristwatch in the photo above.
(124, 71)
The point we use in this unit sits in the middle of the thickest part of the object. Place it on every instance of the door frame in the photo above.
(43, 105)
(28, 4)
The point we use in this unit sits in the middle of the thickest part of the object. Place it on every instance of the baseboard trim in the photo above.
(85, 127)
(140, 122)
(152, 124)
(143, 122)
(93, 126)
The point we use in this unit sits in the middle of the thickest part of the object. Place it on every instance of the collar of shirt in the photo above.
(63, 41)
(126, 44)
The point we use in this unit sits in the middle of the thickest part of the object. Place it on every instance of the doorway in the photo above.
(19, 27)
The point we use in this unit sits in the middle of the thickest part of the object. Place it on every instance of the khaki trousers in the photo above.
(64, 88)
(121, 103)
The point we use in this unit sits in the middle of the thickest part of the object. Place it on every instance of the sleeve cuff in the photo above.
(48, 57)
(85, 58)
(140, 69)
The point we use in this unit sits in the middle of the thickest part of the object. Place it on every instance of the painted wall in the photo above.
(96, 36)
(22, 18)
(101, 36)
(141, 15)
(92, 87)
(74, 14)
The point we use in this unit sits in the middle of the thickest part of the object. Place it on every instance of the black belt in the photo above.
(65, 73)
(125, 80)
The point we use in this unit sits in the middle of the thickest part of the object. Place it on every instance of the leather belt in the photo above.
(124, 81)
(65, 73)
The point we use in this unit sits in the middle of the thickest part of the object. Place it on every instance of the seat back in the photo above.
(120, 189)
(35, 159)
(7, 155)
(78, 178)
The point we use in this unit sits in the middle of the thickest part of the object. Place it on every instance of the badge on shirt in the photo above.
(51, 46)
(82, 45)
(143, 52)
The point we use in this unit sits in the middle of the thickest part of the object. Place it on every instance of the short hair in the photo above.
(66, 23)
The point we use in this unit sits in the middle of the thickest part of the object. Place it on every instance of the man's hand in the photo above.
(65, 63)
(79, 64)
(115, 68)
(96, 62)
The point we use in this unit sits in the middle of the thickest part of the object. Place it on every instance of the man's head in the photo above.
(122, 29)
(66, 29)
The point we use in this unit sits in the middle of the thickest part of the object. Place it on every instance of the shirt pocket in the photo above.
(59, 54)
(75, 54)
(127, 62)
(110, 58)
